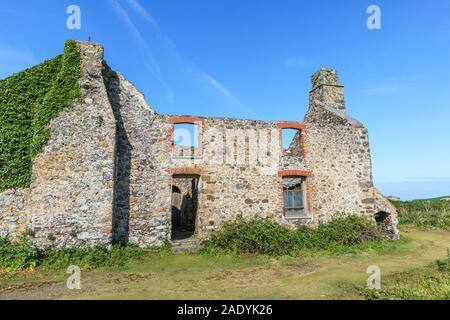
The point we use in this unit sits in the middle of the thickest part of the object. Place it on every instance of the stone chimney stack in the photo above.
(326, 90)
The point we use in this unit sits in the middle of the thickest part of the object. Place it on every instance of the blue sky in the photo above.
(254, 59)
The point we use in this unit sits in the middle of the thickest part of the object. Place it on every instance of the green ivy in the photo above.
(28, 101)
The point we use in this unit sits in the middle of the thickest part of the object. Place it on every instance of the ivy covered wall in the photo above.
(28, 101)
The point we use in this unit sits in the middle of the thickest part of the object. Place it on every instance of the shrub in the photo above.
(17, 255)
(89, 258)
(266, 236)
(424, 213)
(22, 255)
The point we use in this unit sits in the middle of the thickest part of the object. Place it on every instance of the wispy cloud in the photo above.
(137, 7)
(144, 13)
(216, 84)
(152, 63)
(149, 59)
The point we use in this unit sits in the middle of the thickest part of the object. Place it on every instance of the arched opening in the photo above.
(387, 221)
(381, 217)
(184, 206)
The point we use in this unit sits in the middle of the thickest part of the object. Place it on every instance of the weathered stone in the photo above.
(110, 167)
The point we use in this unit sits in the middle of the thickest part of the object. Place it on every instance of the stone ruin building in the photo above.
(113, 169)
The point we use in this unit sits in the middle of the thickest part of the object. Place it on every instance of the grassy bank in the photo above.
(424, 213)
(247, 276)
(244, 261)
(256, 236)
(431, 282)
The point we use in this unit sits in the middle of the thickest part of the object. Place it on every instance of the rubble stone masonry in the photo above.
(107, 171)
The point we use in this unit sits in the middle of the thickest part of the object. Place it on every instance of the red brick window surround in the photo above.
(307, 188)
(186, 120)
(301, 127)
(294, 173)
(186, 171)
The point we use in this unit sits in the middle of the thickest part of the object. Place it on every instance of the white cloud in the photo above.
(137, 7)
(152, 64)
(216, 84)
(140, 10)
(150, 61)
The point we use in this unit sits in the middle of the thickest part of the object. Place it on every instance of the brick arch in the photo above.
(291, 125)
(290, 173)
(186, 170)
(186, 119)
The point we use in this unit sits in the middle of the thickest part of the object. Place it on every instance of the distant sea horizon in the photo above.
(416, 189)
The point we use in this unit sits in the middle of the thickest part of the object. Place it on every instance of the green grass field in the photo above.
(203, 276)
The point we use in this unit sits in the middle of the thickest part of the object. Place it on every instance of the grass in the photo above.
(163, 275)
(424, 213)
(330, 263)
(21, 255)
(431, 282)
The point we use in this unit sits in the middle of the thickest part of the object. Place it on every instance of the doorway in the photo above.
(184, 206)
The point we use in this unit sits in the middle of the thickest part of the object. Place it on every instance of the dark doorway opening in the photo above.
(184, 206)
(381, 217)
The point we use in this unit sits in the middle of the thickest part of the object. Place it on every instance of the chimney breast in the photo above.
(325, 77)
(326, 90)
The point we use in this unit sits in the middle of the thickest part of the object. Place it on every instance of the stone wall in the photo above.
(339, 156)
(69, 202)
(107, 171)
(338, 153)
(142, 190)
(239, 171)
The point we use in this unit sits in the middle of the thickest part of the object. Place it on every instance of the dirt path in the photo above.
(194, 276)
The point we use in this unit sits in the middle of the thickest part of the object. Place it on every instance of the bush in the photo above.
(424, 213)
(19, 255)
(266, 236)
(89, 258)
(22, 255)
